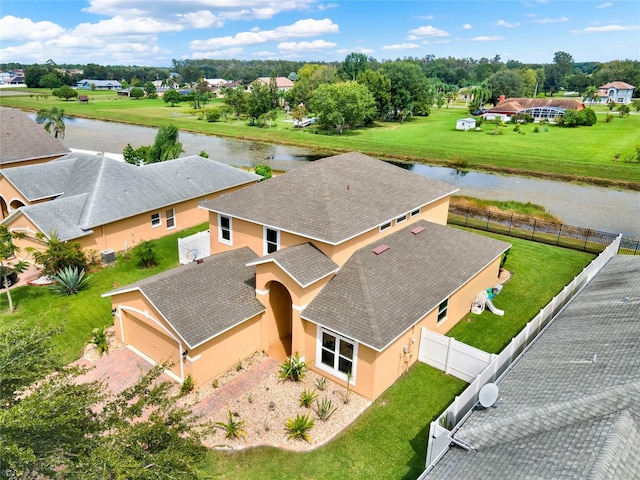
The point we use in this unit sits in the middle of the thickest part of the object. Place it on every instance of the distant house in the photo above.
(538, 108)
(282, 83)
(104, 203)
(342, 260)
(87, 84)
(465, 124)
(19, 80)
(618, 92)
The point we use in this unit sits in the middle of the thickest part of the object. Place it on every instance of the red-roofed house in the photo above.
(618, 92)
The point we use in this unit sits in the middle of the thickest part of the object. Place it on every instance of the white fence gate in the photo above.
(193, 247)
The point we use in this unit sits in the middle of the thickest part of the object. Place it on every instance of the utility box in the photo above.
(108, 256)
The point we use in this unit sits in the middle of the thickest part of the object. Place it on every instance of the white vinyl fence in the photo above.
(481, 368)
(193, 247)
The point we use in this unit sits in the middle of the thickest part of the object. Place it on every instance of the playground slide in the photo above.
(492, 308)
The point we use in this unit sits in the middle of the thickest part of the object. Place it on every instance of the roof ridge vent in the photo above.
(380, 249)
(417, 230)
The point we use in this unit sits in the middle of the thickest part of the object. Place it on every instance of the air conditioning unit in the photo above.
(108, 256)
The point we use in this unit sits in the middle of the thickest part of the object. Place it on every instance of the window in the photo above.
(155, 220)
(271, 240)
(336, 354)
(442, 310)
(171, 218)
(385, 226)
(401, 218)
(224, 230)
(415, 212)
(620, 100)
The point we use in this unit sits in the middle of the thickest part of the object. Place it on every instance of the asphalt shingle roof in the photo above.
(304, 263)
(203, 300)
(374, 298)
(100, 190)
(23, 139)
(333, 199)
(570, 407)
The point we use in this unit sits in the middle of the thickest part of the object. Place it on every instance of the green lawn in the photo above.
(584, 153)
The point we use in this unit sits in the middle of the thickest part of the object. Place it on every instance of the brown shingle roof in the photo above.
(513, 105)
(333, 199)
(22, 139)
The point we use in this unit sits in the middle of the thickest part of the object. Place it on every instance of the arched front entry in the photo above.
(4, 210)
(279, 323)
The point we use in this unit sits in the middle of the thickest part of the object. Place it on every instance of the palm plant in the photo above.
(307, 397)
(299, 427)
(69, 281)
(52, 118)
(232, 428)
(293, 368)
(325, 408)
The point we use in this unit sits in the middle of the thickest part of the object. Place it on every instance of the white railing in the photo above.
(193, 247)
(460, 362)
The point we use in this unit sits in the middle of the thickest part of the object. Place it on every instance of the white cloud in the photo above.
(224, 53)
(428, 31)
(503, 23)
(424, 17)
(326, 6)
(401, 46)
(467, 26)
(484, 38)
(608, 28)
(605, 5)
(299, 29)
(12, 28)
(551, 20)
(118, 25)
(305, 46)
(346, 51)
(201, 19)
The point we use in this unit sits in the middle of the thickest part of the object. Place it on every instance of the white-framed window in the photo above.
(156, 220)
(336, 354)
(385, 226)
(170, 218)
(415, 212)
(620, 100)
(442, 310)
(401, 218)
(224, 230)
(271, 240)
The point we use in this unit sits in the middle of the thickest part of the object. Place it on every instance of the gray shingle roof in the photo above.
(304, 263)
(101, 190)
(201, 301)
(23, 139)
(374, 298)
(561, 414)
(333, 199)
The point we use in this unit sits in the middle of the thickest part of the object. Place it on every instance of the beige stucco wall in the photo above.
(24, 225)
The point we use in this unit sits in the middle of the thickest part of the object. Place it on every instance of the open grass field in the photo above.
(586, 154)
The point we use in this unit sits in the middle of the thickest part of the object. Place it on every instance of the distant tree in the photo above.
(342, 105)
(505, 82)
(137, 93)
(529, 82)
(237, 101)
(590, 95)
(172, 96)
(33, 74)
(8, 249)
(380, 87)
(260, 101)
(354, 64)
(50, 80)
(150, 90)
(478, 97)
(310, 76)
(52, 118)
(137, 156)
(65, 92)
(557, 72)
(623, 110)
(166, 145)
(408, 87)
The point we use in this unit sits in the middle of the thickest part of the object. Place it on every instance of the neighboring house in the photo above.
(465, 124)
(87, 84)
(282, 83)
(618, 92)
(105, 204)
(538, 108)
(19, 80)
(570, 405)
(24, 142)
(342, 261)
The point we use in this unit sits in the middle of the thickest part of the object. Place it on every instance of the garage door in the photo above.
(151, 341)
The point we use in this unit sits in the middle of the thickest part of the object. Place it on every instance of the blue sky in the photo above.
(145, 32)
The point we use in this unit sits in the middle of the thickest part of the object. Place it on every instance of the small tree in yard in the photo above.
(136, 93)
(58, 255)
(7, 251)
(172, 97)
(145, 256)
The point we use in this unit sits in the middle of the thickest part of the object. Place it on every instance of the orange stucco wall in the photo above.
(24, 225)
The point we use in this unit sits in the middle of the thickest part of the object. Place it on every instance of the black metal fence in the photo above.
(577, 238)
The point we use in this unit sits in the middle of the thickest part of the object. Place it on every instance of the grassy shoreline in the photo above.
(583, 155)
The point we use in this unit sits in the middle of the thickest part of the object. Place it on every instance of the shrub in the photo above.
(293, 368)
(99, 339)
(213, 114)
(536, 129)
(590, 117)
(264, 171)
(608, 118)
(325, 408)
(58, 255)
(307, 397)
(187, 385)
(321, 383)
(299, 427)
(69, 281)
(232, 428)
(145, 256)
